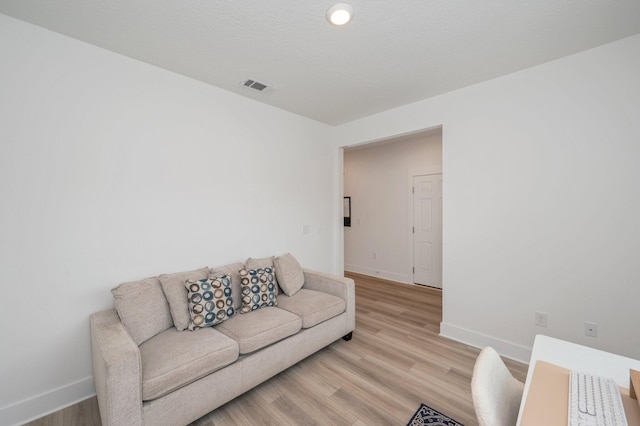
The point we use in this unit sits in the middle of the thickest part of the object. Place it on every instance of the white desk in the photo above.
(577, 357)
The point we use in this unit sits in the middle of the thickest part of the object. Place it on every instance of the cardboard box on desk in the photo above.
(548, 399)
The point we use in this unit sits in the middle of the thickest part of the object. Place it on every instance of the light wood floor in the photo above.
(395, 361)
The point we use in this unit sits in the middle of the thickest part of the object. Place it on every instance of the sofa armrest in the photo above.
(341, 287)
(117, 370)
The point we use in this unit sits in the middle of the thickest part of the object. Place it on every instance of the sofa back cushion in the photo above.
(233, 270)
(289, 274)
(265, 262)
(142, 308)
(176, 293)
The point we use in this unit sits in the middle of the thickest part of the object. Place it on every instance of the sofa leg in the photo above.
(348, 336)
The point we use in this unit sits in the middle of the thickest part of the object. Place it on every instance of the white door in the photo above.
(427, 230)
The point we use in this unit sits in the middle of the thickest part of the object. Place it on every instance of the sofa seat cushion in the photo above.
(173, 359)
(312, 306)
(260, 328)
(233, 270)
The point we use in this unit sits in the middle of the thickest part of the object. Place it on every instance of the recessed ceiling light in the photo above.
(339, 13)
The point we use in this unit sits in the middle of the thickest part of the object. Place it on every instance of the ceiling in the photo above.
(390, 54)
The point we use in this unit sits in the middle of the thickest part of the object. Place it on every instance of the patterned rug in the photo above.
(430, 417)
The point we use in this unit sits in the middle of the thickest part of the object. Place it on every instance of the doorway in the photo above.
(378, 178)
(426, 235)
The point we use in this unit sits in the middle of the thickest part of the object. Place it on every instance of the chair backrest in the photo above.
(496, 393)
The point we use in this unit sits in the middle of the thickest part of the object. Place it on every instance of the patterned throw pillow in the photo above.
(258, 289)
(210, 301)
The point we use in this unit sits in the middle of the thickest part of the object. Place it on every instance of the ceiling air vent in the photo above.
(256, 85)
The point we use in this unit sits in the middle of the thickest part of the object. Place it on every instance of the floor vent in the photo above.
(256, 85)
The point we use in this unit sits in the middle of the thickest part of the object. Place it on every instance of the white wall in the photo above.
(376, 178)
(114, 170)
(541, 200)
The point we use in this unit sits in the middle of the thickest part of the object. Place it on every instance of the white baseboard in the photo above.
(392, 276)
(507, 349)
(46, 403)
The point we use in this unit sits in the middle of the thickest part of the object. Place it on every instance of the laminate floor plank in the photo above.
(395, 361)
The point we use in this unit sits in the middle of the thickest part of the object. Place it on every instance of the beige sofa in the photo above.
(147, 370)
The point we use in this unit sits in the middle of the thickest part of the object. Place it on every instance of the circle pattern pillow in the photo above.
(210, 301)
(258, 289)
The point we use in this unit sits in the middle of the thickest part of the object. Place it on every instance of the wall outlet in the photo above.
(591, 329)
(374, 255)
(541, 319)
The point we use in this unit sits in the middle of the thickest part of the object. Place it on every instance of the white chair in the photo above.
(496, 393)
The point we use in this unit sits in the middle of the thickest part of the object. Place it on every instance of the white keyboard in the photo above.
(594, 400)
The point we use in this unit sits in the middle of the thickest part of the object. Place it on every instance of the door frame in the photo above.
(432, 170)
